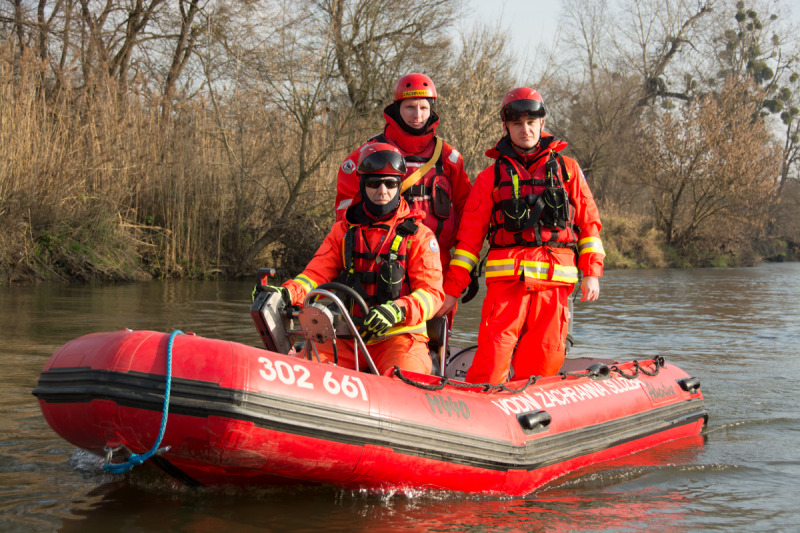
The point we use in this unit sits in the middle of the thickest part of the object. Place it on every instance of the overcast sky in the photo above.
(534, 21)
(530, 21)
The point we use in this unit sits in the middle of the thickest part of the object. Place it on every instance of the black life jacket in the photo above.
(378, 277)
(531, 210)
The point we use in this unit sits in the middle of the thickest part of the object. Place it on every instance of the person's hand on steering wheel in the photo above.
(381, 318)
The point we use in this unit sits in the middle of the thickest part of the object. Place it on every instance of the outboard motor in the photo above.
(459, 362)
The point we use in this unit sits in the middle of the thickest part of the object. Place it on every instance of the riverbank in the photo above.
(122, 252)
(634, 243)
(100, 183)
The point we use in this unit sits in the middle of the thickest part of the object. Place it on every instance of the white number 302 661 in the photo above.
(300, 376)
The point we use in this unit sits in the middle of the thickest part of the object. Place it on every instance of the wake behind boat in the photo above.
(251, 416)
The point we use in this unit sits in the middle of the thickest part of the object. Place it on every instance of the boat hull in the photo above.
(245, 416)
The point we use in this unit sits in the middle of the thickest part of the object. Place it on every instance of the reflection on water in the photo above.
(735, 329)
(591, 499)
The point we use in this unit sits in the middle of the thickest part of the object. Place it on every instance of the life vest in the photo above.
(380, 275)
(433, 195)
(531, 210)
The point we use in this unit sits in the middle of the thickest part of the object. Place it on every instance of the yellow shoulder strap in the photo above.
(415, 176)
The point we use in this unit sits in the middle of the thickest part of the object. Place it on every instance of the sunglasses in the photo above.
(378, 161)
(375, 183)
(522, 108)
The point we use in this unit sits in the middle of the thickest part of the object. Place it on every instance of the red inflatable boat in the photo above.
(244, 415)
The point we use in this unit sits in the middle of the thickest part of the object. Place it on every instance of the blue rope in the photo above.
(136, 459)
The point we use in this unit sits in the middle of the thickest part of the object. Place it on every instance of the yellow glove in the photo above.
(381, 318)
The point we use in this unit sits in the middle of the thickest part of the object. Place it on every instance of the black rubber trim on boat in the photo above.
(175, 472)
(293, 416)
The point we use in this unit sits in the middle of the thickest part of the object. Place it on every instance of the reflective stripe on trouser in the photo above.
(507, 268)
(409, 352)
(536, 322)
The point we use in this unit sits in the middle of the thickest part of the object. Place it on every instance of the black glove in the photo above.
(285, 295)
(381, 318)
(472, 288)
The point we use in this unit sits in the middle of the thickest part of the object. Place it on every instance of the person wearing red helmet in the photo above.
(435, 180)
(382, 251)
(537, 212)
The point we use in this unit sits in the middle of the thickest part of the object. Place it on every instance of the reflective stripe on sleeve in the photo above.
(307, 283)
(591, 245)
(464, 259)
(426, 301)
(419, 329)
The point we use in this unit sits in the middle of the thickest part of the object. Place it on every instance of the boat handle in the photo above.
(534, 420)
(690, 385)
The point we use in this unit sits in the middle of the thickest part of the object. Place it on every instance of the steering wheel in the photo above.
(315, 324)
(336, 287)
(315, 315)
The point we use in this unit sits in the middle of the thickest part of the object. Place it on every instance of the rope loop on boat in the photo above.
(445, 381)
(137, 459)
(658, 361)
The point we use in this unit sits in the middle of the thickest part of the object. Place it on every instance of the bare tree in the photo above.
(184, 47)
(374, 41)
(710, 168)
(598, 112)
(757, 42)
(657, 32)
(790, 117)
(656, 42)
(471, 92)
(113, 45)
(273, 85)
(312, 68)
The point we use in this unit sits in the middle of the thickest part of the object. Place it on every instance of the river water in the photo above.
(736, 329)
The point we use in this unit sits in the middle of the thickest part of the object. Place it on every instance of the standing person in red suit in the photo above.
(435, 182)
(537, 212)
(381, 251)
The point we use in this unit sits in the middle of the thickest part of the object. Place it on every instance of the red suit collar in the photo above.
(408, 143)
(506, 148)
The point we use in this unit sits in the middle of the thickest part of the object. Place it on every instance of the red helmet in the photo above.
(520, 102)
(414, 86)
(381, 159)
